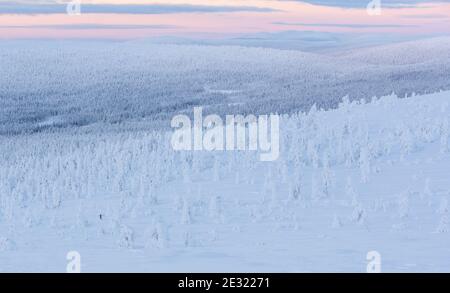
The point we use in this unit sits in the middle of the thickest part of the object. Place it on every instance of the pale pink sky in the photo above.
(426, 18)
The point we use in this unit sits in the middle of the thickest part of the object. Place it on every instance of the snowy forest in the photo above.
(86, 162)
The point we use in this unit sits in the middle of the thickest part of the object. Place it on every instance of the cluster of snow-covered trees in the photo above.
(134, 188)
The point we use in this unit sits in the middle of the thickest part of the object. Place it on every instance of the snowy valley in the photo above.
(140, 85)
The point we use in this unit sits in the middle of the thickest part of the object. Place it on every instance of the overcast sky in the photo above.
(122, 19)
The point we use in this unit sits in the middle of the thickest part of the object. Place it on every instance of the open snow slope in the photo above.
(51, 85)
(433, 50)
(363, 177)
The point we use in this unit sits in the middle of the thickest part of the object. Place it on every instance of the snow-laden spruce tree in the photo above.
(403, 209)
(7, 244)
(444, 224)
(215, 209)
(403, 203)
(327, 180)
(284, 169)
(444, 212)
(237, 175)
(427, 193)
(274, 202)
(81, 219)
(267, 185)
(28, 218)
(313, 154)
(177, 202)
(196, 163)
(186, 214)
(337, 222)
(407, 141)
(443, 206)
(358, 215)
(215, 169)
(157, 236)
(55, 197)
(187, 176)
(350, 150)
(315, 187)
(250, 174)
(7, 208)
(187, 239)
(140, 208)
(365, 163)
(445, 134)
(126, 237)
(350, 193)
(295, 187)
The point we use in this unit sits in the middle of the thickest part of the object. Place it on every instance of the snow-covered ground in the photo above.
(364, 177)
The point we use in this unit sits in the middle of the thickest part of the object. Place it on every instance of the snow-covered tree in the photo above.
(351, 194)
(215, 209)
(126, 237)
(156, 236)
(337, 222)
(427, 193)
(445, 136)
(186, 215)
(403, 203)
(365, 164)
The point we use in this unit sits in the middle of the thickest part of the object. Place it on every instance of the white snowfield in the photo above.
(364, 177)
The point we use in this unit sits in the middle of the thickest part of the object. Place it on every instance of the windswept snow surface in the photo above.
(50, 85)
(362, 177)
